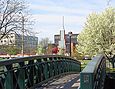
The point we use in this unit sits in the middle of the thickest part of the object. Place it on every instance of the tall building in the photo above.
(29, 42)
(67, 41)
(61, 46)
(63, 40)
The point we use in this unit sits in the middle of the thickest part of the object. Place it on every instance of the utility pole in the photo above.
(22, 48)
(22, 35)
(70, 34)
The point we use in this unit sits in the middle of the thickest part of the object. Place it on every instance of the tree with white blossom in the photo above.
(98, 33)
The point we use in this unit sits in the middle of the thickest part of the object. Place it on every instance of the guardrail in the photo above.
(28, 72)
(112, 60)
(93, 75)
(110, 67)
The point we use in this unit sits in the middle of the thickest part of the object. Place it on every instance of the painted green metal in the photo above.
(27, 72)
(93, 75)
(8, 80)
(21, 79)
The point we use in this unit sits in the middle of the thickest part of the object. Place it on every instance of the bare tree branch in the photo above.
(9, 16)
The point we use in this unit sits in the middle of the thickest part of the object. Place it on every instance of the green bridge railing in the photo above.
(93, 75)
(111, 67)
(28, 72)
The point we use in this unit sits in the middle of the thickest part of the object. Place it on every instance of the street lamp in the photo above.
(70, 34)
(22, 50)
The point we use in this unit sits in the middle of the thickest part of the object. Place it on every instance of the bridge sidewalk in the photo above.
(64, 82)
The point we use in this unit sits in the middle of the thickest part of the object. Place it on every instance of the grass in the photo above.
(84, 63)
(109, 67)
(1, 58)
(110, 70)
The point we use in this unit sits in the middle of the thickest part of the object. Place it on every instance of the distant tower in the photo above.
(63, 22)
(108, 2)
(62, 46)
(62, 31)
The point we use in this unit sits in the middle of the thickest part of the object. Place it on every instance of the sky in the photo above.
(48, 14)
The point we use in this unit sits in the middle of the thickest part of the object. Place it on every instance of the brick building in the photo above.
(67, 41)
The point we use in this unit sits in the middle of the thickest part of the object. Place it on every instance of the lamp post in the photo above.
(70, 34)
(22, 49)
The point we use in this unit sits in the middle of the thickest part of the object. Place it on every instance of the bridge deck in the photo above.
(64, 82)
